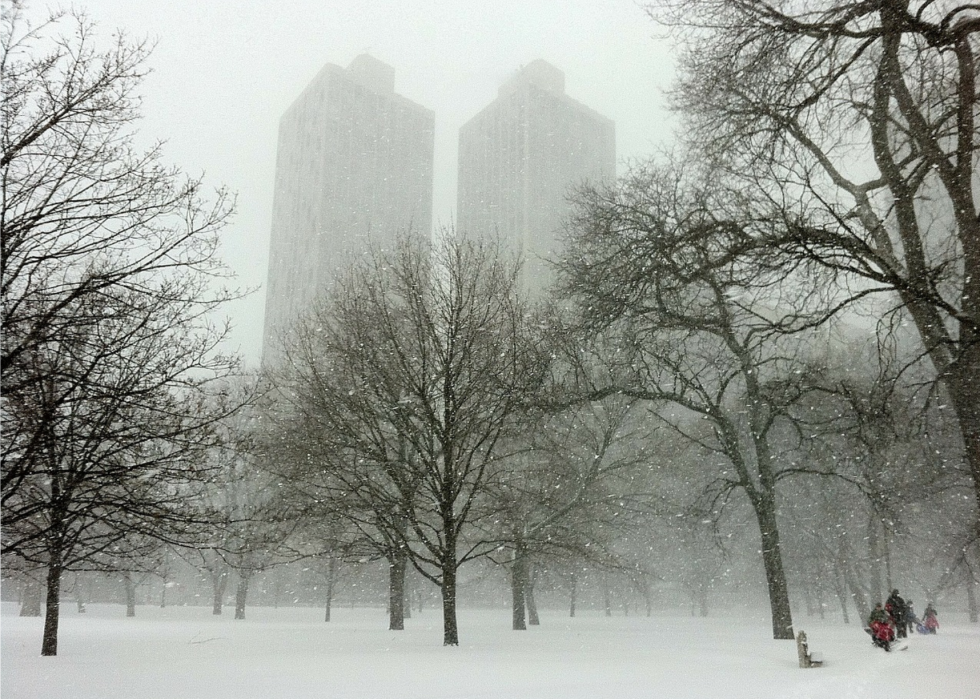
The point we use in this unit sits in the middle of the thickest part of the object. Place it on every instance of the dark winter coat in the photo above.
(896, 608)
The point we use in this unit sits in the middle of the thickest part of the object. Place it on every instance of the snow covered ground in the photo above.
(186, 653)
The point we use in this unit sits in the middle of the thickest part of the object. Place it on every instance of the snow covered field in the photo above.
(290, 653)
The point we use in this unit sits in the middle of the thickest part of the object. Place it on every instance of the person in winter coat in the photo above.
(910, 618)
(882, 633)
(895, 606)
(929, 619)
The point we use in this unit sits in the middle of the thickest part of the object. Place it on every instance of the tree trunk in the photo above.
(887, 555)
(130, 588)
(532, 606)
(30, 601)
(450, 630)
(763, 500)
(49, 642)
(840, 589)
(219, 583)
(572, 594)
(518, 586)
(396, 591)
(857, 594)
(331, 579)
(79, 594)
(841, 575)
(702, 594)
(241, 594)
(808, 599)
(962, 379)
(958, 366)
(874, 552)
(408, 592)
(842, 596)
(606, 600)
(165, 577)
(971, 599)
(772, 560)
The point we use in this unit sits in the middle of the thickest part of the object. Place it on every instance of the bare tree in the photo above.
(568, 491)
(416, 367)
(83, 211)
(349, 505)
(664, 277)
(109, 436)
(257, 521)
(108, 270)
(857, 121)
(881, 451)
(691, 522)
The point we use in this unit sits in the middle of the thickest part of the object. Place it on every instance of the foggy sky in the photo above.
(224, 71)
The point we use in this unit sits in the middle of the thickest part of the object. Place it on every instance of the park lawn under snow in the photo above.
(185, 652)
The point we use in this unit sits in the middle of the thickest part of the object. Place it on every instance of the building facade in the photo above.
(519, 159)
(353, 168)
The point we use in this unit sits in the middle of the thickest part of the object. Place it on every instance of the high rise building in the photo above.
(519, 159)
(354, 167)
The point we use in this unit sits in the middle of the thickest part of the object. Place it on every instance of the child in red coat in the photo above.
(930, 621)
(882, 632)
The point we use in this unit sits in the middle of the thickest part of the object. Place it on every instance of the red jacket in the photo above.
(882, 631)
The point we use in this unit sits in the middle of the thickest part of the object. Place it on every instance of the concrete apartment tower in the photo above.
(354, 167)
(518, 159)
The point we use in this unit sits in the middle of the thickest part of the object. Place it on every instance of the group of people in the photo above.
(896, 618)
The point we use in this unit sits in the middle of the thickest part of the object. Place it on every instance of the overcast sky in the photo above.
(225, 70)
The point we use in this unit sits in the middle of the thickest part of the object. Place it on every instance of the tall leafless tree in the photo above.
(109, 436)
(108, 295)
(662, 273)
(348, 505)
(857, 121)
(417, 367)
(569, 490)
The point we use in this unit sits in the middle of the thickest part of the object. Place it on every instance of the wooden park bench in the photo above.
(807, 658)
